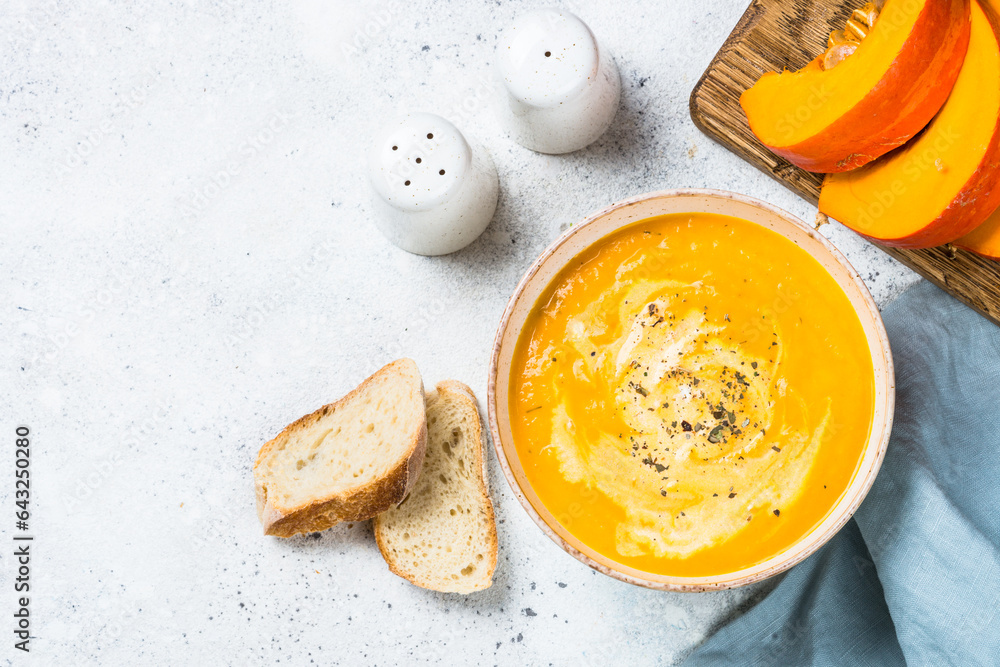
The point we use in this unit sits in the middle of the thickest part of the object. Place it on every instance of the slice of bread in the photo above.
(349, 460)
(443, 536)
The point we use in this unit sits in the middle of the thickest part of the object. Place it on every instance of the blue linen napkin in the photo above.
(914, 578)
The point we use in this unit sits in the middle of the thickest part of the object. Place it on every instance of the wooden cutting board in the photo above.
(778, 34)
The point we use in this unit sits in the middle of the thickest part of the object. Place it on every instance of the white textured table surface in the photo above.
(188, 263)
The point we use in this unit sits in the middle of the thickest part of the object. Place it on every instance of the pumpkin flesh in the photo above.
(877, 98)
(938, 186)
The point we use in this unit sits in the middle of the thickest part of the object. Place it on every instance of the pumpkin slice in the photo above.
(985, 239)
(938, 186)
(869, 101)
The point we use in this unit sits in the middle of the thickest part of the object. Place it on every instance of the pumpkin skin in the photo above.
(839, 119)
(940, 185)
(984, 240)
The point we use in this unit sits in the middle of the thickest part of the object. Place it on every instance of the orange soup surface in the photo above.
(691, 395)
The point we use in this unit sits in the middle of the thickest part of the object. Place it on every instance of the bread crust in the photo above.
(464, 394)
(356, 504)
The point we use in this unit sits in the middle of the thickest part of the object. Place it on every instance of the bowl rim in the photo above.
(694, 584)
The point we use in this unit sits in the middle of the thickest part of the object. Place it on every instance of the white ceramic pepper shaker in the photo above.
(559, 89)
(434, 190)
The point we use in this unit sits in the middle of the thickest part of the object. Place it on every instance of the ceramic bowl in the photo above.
(590, 231)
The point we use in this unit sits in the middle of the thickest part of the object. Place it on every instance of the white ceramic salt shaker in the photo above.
(434, 190)
(559, 89)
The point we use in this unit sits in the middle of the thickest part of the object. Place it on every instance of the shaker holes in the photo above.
(406, 183)
(430, 136)
(419, 160)
(441, 172)
(548, 54)
(395, 148)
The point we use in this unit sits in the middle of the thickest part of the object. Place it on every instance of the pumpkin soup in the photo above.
(691, 395)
